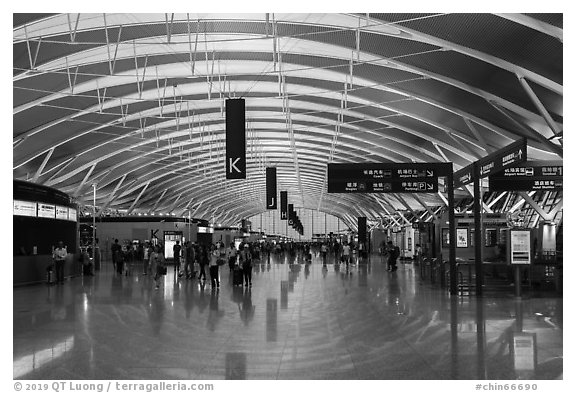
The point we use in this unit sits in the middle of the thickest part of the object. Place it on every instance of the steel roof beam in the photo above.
(552, 147)
(157, 202)
(77, 190)
(42, 166)
(534, 98)
(135, 203)
(534, 24)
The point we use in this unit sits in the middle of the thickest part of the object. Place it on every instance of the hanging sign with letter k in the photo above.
(235, 139)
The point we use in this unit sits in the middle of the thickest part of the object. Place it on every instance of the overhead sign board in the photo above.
(526, 184)
(530, 176)
(514, 153)
(384, 177)
(464, 176)
(364, 187)
(533, 169)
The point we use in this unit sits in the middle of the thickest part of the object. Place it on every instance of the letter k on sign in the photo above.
(233, 166)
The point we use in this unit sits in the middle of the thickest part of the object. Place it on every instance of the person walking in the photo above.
(148, 250)
(190, 257)
(222, 251)
(393, 254)
(158, 264)
(231, 253)
(176, 249)
(417, 255)
(59, 255)
(121, 258)
(214, 256)
(324, 251)
(346, 253)
(202, 262)
(246, 261)
(116, 250)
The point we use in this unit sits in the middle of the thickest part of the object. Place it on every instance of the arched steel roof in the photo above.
(135, 102)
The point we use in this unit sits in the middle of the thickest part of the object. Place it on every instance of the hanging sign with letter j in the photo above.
(271, 194)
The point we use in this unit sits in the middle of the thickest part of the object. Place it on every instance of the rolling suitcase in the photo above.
(50, 279)
(237, 276)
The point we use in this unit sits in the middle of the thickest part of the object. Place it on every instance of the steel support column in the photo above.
(477, 230)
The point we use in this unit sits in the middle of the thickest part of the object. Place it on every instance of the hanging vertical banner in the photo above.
(361, 229)
(291, 214)
(235, 139)
(271, 198)
(283, 205)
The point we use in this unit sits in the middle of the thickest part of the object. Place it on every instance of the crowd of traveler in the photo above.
(194, 260)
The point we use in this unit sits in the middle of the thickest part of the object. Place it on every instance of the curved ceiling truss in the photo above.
(135, 102)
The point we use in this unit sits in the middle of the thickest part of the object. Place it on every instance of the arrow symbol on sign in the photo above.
(429, 173)
(520, 154)
(430, 186)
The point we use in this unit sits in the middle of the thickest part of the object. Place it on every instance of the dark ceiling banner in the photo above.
(283, 205)
(271, 193)
(235, 139)
(291, 214)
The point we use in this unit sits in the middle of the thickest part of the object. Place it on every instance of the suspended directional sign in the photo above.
(291, 214)
(283, 205)
(464, 176)
(514, 153)
(384, 177)
(271, 194)
(235, 139)
(530, 176)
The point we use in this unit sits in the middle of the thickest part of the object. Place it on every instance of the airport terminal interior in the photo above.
(288, 196)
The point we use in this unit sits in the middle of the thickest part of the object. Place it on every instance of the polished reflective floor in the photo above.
(297, 322)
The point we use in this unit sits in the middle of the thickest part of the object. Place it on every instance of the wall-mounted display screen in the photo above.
(170, 238)
(46, 210)
(491, 237)
(25, 208)
(461, 237)
(445, 238)
(205, 230)
(61, 213)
